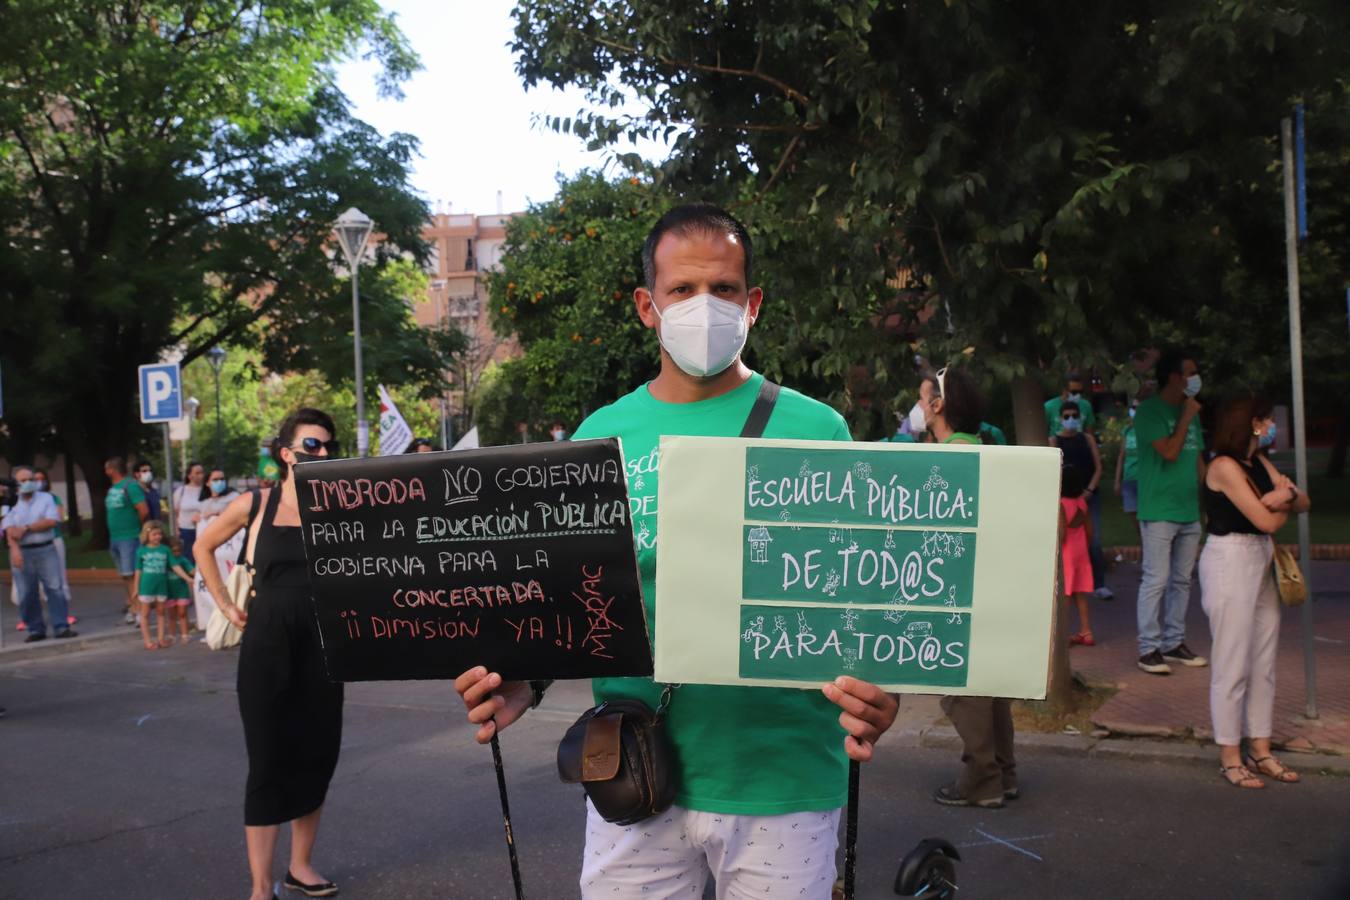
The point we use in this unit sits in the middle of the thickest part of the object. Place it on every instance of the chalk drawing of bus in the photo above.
(919, 630)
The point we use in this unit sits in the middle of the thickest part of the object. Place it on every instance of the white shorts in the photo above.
(671, 855)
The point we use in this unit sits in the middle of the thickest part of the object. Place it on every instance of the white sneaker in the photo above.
(1104, 593)
(130, 618)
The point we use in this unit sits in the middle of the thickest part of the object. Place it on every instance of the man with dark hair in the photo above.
(761, 772)
(1071, 391)
(126, 509)
(145, 477)
(1171, 468)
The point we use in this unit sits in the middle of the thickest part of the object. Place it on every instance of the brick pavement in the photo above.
(1177, 705)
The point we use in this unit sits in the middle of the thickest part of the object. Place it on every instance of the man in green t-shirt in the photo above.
(1072, 391)
(126, 508)
(762, 772)
(1170, 469)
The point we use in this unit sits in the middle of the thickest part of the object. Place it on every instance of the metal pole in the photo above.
(220, 436)
(362, 429)
(506, 816)
(1300, 420)
(851, 829)
(168, 482)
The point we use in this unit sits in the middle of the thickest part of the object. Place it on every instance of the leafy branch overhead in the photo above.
(1066, 178)
(169, 173)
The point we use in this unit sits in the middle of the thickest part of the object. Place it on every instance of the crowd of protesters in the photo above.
(699, 299)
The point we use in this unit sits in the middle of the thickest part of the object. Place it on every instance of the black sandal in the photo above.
(323, 889)
(1282, 773)
(1244, 775)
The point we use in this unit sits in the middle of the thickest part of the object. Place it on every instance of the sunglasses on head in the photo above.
(313, 445)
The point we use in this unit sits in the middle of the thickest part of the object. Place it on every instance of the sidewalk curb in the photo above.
(21, 653)
(943, 737)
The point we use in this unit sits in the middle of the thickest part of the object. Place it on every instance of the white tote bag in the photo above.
(220, 631)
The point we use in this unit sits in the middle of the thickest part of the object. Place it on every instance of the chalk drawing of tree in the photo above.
(862, 470)
(890, 539)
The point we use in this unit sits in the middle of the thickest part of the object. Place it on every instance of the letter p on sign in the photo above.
(161, 392)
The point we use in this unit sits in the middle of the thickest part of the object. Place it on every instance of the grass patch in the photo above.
(1330, 517)
(78, 553)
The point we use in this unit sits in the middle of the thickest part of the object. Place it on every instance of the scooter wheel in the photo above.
(928, 872)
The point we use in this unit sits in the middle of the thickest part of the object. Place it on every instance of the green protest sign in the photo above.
(808, 643)
(921, 568)
(835, 564)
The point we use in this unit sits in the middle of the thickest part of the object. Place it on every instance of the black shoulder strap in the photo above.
(252, 514)
(760, 412)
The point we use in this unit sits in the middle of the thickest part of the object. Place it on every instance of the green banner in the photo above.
(839, 564)
(813, 643)
(788, 484)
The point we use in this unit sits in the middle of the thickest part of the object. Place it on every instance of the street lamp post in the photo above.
(352, 230)
(193, 404)
(217, 357)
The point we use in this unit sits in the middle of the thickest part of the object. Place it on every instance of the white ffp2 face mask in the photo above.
(703, 334)
(918, 422)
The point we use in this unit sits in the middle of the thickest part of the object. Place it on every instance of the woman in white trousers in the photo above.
(1246, 501)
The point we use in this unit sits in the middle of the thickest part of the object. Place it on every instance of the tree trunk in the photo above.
(1029, 411)
(1336, 462)
(76, 527)
(1059, 688)
(1029, 420)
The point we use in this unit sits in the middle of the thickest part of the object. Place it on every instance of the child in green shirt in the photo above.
(154, 561)
(180, 589)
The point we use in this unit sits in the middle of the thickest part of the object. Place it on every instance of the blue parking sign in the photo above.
(161, 392)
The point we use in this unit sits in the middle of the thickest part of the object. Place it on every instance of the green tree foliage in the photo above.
(565, 288)
(254, 402)
(1042, 183)
(168, 175)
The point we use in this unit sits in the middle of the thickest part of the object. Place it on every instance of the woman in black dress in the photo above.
(292, 713)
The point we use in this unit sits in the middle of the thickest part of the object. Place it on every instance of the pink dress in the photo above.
(1074, 551)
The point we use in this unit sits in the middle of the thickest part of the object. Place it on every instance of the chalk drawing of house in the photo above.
(759, 545)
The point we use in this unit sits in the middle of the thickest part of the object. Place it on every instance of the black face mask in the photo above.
(302, 457)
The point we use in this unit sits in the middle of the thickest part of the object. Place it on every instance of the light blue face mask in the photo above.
(1073, 423)
(1268, 438)
(218, 486)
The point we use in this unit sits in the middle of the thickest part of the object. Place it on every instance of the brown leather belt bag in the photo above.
(620, 754)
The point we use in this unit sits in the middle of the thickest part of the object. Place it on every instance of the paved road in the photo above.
(123, 774)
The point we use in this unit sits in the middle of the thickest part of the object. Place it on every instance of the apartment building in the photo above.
(465, 247)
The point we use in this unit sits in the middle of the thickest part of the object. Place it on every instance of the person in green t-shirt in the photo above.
(153, 561)
(1127, 470)
(1170, 471)
(1073, 390)
(950, 405)
(126, 509)
(180, 588)
(766, 766)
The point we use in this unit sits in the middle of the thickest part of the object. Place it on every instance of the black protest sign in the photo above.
(516, 558)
